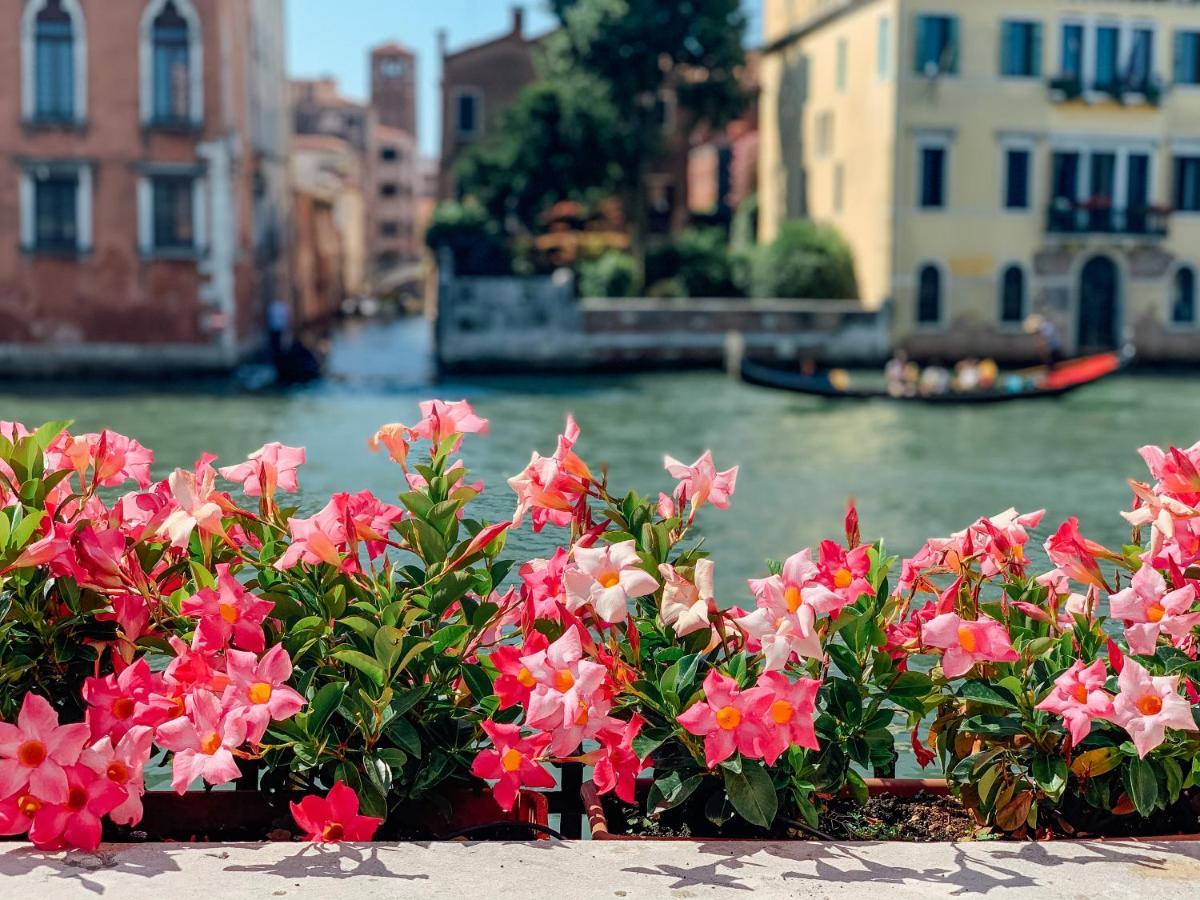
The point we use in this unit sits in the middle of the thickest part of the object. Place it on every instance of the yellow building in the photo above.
(991, 159)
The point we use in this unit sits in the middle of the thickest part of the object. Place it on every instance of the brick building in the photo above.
(142, 181)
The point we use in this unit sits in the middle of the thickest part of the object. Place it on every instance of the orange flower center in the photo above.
(510, 761)
(1155, 612)
(28, 805)
(333, 832)
(1149, 705)
(792, 598)
(228, 612)
(211, 744)
(564, 680)
(609, 579)
(177, 708)
(967, 639)
(843, 578)
(729, 717)
(117, 771)
(122, 708)
(782, 712)
(259, 692)
(31, 753)
(525, 678)
(77, 799)
(1079, 692)
(581, 717)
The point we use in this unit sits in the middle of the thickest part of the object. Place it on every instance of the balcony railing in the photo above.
(1127, 91)
(1097, 217)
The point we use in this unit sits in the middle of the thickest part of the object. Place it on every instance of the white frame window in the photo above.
(30, 175)
(1184, 151)
(933, 141)
(1125, 28)
(147, 240)
(1002, 274)
(1018, 145)
(943, 276)
(29, 111)
(456, 99)
(1176, 274)
(1037, 52)
(195, 70)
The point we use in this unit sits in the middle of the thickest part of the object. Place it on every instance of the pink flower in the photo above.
(568, 699)
(840, 579)
(17, 811)
(35, 751)
(269, 467)
(118, 702)
(1146, 706)
(789, 714)
(122, 764)
(730, 720)
(515, 682)
(197, 503)
(203, 741)
(552, 486)
(701, 482)
(334, 817)
(330, 535)
(1079, 697)
(229, 613)
(512, 761)
(542, 585)
(685, 606)
(1000, 541)
(75, 822)
(441, 420)
(395, 439)
(617, 765)
(967, 642)
(113, 458)
(607, 578)
(1149, 610)
(257, 690)
(1176, 471)
(1075, 555)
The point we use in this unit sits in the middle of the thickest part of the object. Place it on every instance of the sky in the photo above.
(331, 37)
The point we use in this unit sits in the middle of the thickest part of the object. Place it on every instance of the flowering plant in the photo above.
(172, 624)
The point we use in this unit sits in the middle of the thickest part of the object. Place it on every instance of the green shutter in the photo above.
(918, 42)
(1181, 49)
(950, 62)
(1005, 47)
(1036, 69)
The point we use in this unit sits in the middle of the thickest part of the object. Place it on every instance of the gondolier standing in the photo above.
(1047, 338)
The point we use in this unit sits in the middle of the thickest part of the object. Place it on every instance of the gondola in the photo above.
(1028, 384)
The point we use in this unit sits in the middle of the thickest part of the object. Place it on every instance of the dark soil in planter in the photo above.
(925, 817)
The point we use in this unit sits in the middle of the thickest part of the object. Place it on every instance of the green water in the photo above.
(916, 471)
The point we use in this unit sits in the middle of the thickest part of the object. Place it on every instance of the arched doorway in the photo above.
(1099, 289)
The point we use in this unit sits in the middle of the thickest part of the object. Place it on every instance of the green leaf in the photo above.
(669, 791)
(365, 664)
(1050, 773)
(752, 793)
(360, 626)
(478, 682)
(982, 692)
(910, 685)
(389, 644)
(1142, 785)
(447, 637)
(323, 705)
(402, 732)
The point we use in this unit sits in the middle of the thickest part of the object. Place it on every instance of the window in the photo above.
(1012, 296)
(1021, 49)
(839, 187)
(825, 133)
(388, 189)
(1183, 297)
(1187, 184)
(929, 295)
(173, 212)
(883, 52)
(171, 52)
(937, 45)
(841, 64)
(1016, 178)
(389, 228)
(1187, 57)
(1071, 62)
(55, 204)
(1107, 39)
(392, 67)
(389, 154)
(932, 187)
(53, 62)
(466, 114)
(1141, 58)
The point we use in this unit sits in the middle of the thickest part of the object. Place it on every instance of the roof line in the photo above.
(820, 20)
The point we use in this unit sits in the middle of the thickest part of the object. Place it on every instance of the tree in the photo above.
(805, 260)
(638, 49)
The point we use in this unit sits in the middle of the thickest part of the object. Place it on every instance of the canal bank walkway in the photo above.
(551, 869)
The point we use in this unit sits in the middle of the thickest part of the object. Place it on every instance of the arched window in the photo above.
(1012, 296)
(171, 64)
(929, 295)
(54, 67)
(1183, 297)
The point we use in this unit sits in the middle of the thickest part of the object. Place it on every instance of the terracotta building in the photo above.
(392, 210)
(142, 181)
(394, 86)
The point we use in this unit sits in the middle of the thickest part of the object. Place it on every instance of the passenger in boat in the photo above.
(966, 376)
(900, 375)
(988, 373)
(934, 380)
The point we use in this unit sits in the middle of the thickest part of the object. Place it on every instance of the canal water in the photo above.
(916, 472)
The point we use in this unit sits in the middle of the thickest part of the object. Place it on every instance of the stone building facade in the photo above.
(142, 181)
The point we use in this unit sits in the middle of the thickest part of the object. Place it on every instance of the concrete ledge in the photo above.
(1092, 870)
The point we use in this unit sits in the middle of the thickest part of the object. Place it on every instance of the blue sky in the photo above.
(332, 37)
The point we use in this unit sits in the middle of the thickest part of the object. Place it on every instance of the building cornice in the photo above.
(820, 20)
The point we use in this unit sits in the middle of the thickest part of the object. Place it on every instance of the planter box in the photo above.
(896, 787)
(216, 815)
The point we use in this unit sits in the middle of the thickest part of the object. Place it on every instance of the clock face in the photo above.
(392, 68)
